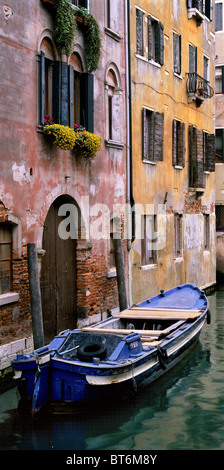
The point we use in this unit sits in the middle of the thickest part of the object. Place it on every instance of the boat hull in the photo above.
(72, 383)
(114, 359)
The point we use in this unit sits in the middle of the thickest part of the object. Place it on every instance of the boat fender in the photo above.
(130, 326)
(87, 352)
(133, 387)
(162, 356)
(208, 317)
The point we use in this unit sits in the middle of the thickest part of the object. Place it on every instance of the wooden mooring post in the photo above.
(35, 296)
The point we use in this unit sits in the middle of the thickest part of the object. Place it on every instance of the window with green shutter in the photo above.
(155, 40)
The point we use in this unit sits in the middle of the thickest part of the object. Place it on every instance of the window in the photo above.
(178, 231)
(80, 3)
(177, 53)
(219, 79)
(5, 258)
(208, 9)
(139, 32)
(81, 94)
(153, 130)
(155, 41)
(66, 93)
(206, 232)
(192, 59)
(149, 240)
(218, 16)
(178, 143)
(196, 4)
(113, 105)
(206, 68)
(219, 212)
(219, 145)
(46, 79)
(201, 155)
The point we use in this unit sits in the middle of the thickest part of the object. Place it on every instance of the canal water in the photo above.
(184, 410)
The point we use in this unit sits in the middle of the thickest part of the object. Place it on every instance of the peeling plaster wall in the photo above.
(33, 173)
(159, 89)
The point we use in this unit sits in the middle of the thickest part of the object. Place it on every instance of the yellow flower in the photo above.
(84, 142)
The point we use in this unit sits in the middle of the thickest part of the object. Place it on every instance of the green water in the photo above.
(184, 410)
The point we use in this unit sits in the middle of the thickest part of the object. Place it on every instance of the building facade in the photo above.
(60, 199)
(219, 133)
(172, 87)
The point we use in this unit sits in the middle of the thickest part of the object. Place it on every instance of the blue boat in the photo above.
(116, 357)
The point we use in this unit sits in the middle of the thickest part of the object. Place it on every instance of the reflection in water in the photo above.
(182, 410)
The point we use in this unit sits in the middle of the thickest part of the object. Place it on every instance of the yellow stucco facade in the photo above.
(161, 187)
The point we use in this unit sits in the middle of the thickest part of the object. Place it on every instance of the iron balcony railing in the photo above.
(198, 86)
(196, 4)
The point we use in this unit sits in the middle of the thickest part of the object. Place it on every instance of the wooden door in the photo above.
(58, 277)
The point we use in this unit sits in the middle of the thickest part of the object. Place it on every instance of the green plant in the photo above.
(87, 144)
(81, 141)
(64, 26)
(92, 38)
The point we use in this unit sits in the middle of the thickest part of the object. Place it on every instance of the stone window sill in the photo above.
(113, 34)
(146, 267)
(9, 298)
(112, 273)
(114, 144)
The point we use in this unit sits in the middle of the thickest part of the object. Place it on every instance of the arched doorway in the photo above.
(58, 275)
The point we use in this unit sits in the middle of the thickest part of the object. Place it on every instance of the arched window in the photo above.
(81, 94)
(76, 70)
(66, 91)
(113, 104)
(47, 60)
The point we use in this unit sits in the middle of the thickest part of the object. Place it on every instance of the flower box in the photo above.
(79, 140)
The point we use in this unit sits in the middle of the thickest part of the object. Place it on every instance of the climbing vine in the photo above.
(92, 38)
(64, 26)
(66, 20)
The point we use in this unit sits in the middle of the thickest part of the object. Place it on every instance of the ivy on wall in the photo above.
(66, 20)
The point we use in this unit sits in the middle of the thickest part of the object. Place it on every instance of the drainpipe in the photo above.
(130, 197)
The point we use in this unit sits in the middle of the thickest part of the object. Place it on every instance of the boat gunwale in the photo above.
(104, 366)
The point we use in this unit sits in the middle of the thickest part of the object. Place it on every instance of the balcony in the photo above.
(198, 88)
(195, 9)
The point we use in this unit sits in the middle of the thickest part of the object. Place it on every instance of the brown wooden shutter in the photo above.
(183, 145)
(174, 133)
(158, 136)
(200, 158)
(144, 135)
(192, 151)
(210, 152)
(150, 53)
(139, 32)
(161, 44)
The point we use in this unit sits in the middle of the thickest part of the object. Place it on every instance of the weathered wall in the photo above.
(158, 88)
(33, 173)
